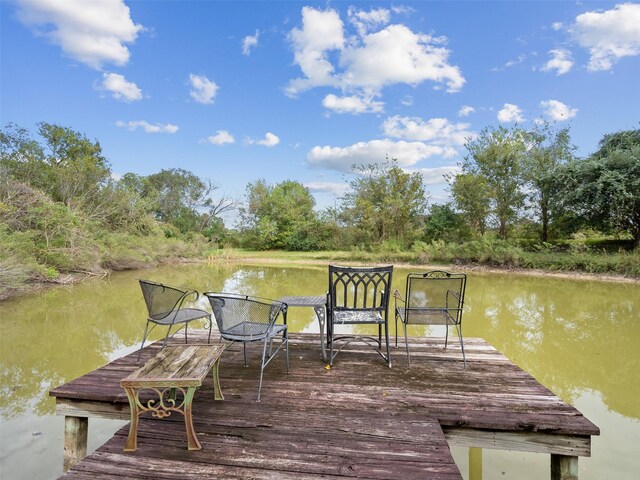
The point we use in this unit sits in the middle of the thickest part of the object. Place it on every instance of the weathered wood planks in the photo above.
(359, 419)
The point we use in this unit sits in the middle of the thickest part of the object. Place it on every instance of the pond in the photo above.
(577, 337)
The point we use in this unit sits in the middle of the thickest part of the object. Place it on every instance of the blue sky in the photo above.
(240, 91)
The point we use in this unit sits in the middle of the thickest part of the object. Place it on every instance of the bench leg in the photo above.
(75, 440)
(192, 440)
(132, 440)
(217, 391)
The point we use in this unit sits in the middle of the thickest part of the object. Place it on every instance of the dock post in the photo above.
(564, 467)
(475, 463)
(75, 440)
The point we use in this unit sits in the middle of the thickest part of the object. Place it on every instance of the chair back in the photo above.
(163, 300)
(243, 317)
(435, 298)
(359, 289)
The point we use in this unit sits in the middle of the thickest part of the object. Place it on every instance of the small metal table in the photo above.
(319, 304)
(176, 367)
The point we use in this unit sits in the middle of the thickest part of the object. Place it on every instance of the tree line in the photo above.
(525, 185)
(63, 210)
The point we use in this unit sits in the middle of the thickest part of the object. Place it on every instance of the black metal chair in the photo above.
(432, 298)
(358, 296)
(242, 318)
(165, 307)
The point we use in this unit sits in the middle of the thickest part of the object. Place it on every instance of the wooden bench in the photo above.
(176, 368)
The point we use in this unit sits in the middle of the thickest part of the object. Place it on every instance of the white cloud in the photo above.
(558, 111)
(148, 127)
(407, 100)
(203, 90)
(407, 57)
(93, 33)
(437, 131)
(322, 31)
(374, 152)
(119, 87)
(608, 35)
(561, 61)
(510, 113)
(249, 42)
(221, 137)
(338, 189)
(511, 63)
(269, 140)
(465, 111)
(366, 21)
(557, 26)
(355, 62)
(435, 176)
(352, 104)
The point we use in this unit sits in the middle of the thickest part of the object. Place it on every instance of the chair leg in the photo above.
(286, 341)
(244, 351)
(464, 358)
(386, 337)
(166, 337)
(144, 338)
(210, 326)
(446, 335)
(186, 325)
(406, 344)
(330, 340)
(396, 330)
(264, 352)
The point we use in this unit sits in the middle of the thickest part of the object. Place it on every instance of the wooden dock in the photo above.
(359, 419)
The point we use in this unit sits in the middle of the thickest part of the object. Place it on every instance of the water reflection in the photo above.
(574, 336)
(571, 335)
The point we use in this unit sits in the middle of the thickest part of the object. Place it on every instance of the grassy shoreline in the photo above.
(404, 260)
(400, 259)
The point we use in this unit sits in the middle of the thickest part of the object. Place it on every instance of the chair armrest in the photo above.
(189, 293)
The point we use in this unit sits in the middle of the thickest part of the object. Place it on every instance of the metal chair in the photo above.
(165, 307)
(432, 298)
(358, 296)
(242, 318)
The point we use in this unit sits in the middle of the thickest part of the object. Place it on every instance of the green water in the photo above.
(577, 337)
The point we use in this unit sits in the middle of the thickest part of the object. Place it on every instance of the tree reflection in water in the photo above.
(574, 336)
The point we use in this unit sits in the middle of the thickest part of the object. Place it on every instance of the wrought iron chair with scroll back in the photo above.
(244, 318)
(165, 306)
(358, 296)
(432, 298)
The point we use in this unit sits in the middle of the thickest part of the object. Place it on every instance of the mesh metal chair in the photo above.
(165, 307)
(358, 296)
(432, 298)
(242, 318)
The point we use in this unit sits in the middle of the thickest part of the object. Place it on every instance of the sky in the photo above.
(239, 91)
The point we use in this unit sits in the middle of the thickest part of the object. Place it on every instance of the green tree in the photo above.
(497, 156)
(472, 198)
(75, 165)
(604, 189)
(69, 167)
(66, 167)
(182, 199)
(21, 156)
(385, 203)
(280, 216)
(548, 150)
(443, 223)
